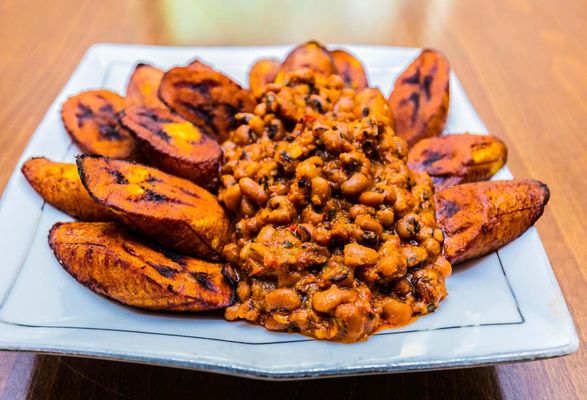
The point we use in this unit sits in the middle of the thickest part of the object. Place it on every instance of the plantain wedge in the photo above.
(262, 73)
(311, 55)
(110, 261)
(454, 159)
(172, 211)
(174, 144)
(59, 185)
(205, 97)
(91, 119)
(478, 218)
(420, 97)
(350, 69)
(143, 87)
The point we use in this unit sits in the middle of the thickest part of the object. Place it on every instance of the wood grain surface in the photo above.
(522, 62)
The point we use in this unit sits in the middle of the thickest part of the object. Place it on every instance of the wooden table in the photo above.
(523, 63)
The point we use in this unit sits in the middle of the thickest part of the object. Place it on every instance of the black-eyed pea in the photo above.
(372, 199)
(231, 197)
(408, 226)
(322, 236)
(329, 299)
(332, 141)
(320, 190)
(257, 125)
(368, 223)
(396, 312)
(438, 235)
(282, 299)
(432, 246)
(393, 265)
(415, 255)
(356, 184)
(359, 209)
(243, 290)
(443, 266)
(260, 109)
(356, 255)
(385, 216)
(253, 190)
(247, 207)
(310, 167)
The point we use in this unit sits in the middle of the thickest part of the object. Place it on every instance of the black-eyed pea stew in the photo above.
(336, 236)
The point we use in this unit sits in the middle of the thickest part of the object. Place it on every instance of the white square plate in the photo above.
(504, 307)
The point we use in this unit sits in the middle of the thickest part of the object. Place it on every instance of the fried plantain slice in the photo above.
(478, 218)
(107, 259)
(261, 73)
(59, 185)
(143, 87)
(91, 119)
(174, 144)
(350, 69)
(205, 97)
(420, 98)
(174, 212)
(310, 55)
(459, 158)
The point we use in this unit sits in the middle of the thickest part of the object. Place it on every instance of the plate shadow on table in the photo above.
(56, 377)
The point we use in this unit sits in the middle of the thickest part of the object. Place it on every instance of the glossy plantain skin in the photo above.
(350, 69)
(262, 73)
(143, 87)
(91, 119)
(174, 144)
(311, 55)
(460, 158)
(419, 100)
(107, 259)
(172, 211)
(59, 185)
(478, 218)
(205, 97)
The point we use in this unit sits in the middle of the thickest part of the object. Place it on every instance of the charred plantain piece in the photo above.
(261, 73)
(310, 55)
(174, 144)
(454, 159)
(91, 119)
(419, 100)
(107, 259)
(59, 185)
(478, 218)
(143, 87)
(350, 69)
(174, 212)
(205, 97)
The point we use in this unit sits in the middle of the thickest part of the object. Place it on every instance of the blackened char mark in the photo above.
(203, 87)
(175, 257)
(430, 157)
(162, 134)
(163, 270)
(203, 280)
(153, 116)
(413, 79)
(83, 113)
(448, 208)
(120, 179)
(427, 82)
(109, 131)
(414, 98)
(154, 197)
(189, 193)
(202, 114)
(107, 109)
